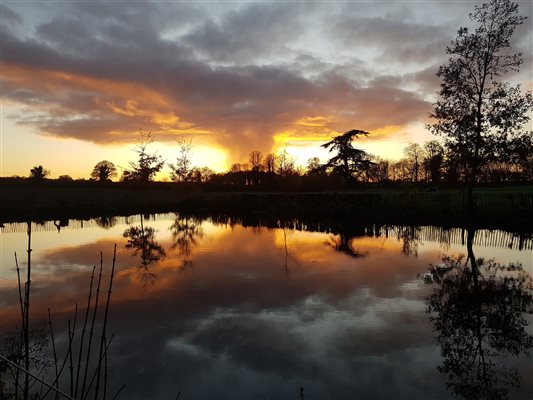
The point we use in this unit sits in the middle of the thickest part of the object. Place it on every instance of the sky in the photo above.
(80, 78)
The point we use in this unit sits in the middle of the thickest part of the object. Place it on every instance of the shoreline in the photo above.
(512, 210)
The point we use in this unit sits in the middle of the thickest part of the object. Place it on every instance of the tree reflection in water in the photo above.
(142, 240)
(410, 237)
(343, 243)
(106, 222)
(477, 310)
(185, 234)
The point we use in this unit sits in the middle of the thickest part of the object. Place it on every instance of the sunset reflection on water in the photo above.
(250, 312)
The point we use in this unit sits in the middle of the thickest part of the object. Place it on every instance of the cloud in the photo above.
(240, 75)
(242, 36)
(246, 105)
(393, 40)
(9, 16)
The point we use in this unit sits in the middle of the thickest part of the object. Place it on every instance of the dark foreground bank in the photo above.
(497, 208)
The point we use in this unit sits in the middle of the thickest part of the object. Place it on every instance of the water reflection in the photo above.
(410, 237)
(61, 223)
(351, 316)
(106, 222)
(478, 313)
(344, 243)
(186, 231)
(141, 239)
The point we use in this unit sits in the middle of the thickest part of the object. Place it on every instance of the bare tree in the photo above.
(256, 159)
(237, 167)
(400, 171)
(200, 174)
(380, 171)
(285, 163)
(269, 163)
(433, 160)
(181, 170)
(414, 155)
(147, 164)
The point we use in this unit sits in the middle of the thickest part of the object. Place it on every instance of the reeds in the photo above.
(103, 337)
(84, 369)
(53, 349)
(80, 351)
(26, 318)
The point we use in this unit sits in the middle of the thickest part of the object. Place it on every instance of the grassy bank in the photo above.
(513, 205)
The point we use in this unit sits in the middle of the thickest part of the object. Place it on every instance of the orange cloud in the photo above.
(232, 109)
(313, 121)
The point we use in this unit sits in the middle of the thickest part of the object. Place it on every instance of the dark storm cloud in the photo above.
(8, 16)
(393, 39)
(426, 80)
(258, 30)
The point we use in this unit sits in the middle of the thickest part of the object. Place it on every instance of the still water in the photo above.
(215, 308)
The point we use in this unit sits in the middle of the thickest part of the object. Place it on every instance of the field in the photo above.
(494, 205)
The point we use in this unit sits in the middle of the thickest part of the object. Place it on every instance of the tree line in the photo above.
(430, 162)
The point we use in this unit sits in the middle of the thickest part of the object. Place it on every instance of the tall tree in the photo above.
(414, 155)
(269, 163)
(285, 163)
(434, 156)
(349, 160)
(477, 112)
(104, 171)
(147, 164)
(256, 160)
(380, 171)
(182, 169)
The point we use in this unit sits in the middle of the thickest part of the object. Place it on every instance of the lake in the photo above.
(272, 309)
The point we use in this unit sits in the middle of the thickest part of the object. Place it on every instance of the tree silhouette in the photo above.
(349, 160)
(147, 164)
(314, 166)
(256, 160)
(477, 311)
(285, 164)
(477, 113)
(182, 168)
(269, 163)
(200, 174)
(38, 173)
(414, 155)
(104, 171)
(434, 157)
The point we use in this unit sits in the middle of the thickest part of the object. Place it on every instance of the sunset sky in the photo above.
(79, 78)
